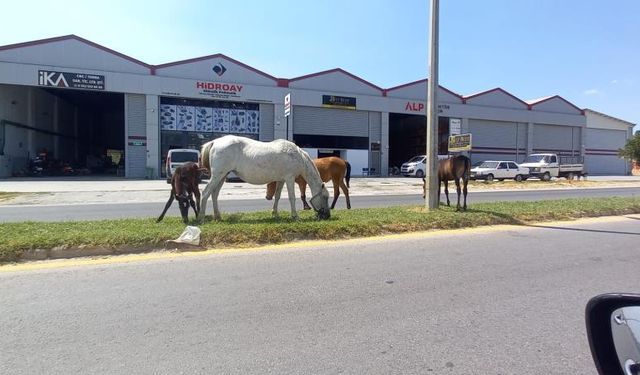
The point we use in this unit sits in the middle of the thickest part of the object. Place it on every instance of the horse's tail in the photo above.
(347, 176)
(204, 155)
(467, 168)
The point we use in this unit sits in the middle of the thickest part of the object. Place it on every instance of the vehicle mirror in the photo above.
(613, 328)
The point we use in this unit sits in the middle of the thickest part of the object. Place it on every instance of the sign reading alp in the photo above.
(460, 142)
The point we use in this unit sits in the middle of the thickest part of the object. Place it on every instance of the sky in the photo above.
(587, 51)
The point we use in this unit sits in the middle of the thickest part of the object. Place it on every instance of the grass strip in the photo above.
(250, 229)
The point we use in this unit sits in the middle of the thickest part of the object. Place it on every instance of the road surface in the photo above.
(484, 301)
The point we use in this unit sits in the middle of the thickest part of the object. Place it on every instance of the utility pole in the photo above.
(431, 193)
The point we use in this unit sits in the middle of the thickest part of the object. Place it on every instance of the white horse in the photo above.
(259, 163)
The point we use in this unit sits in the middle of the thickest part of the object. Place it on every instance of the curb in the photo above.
(87, 251)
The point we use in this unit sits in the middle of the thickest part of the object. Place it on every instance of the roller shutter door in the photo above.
(605, 165)
(602, 149)
(330, 121)
(553, 138)
(136, 142)
(375, 135)
(498, 140)
(266, 122)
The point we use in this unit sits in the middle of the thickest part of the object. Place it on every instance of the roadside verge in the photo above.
(37, 240)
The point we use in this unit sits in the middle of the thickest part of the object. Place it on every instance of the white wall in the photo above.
(74, 54)
(357, 158)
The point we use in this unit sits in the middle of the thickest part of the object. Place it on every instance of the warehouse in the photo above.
(94, 110)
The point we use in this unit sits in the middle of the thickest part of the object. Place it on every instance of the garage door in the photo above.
(266, 122)
(605, 165)
(498, 140)
(602, 151)
(136, 130)
(554, 138)
(330, 121)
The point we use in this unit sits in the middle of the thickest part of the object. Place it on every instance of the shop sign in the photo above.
(455, 126)
(70, 80)
(219, 89)
(333, 101)
(414, 107)
(287, 105)
(460, 142)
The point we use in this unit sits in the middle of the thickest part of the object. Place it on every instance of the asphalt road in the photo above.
(488, 301)
(13, 213)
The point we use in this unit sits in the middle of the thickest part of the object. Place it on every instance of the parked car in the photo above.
(178, 157)
(497, 169)
(417, 166)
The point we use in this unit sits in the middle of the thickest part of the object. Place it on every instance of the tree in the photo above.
(631, 151)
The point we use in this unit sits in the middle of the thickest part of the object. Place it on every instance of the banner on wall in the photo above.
(70, 80)
(209, 116)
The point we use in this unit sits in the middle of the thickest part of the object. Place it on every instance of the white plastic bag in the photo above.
(190, 235)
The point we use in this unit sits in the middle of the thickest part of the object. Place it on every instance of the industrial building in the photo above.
(84, 103)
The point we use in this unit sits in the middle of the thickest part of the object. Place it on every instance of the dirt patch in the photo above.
(8, 196)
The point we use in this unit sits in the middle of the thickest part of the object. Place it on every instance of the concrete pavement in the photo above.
(83, 190)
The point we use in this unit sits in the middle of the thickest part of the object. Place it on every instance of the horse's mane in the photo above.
(310, 168)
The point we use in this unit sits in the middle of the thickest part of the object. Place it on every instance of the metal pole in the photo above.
(431, 194)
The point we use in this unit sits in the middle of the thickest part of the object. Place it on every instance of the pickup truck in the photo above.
(545, 166)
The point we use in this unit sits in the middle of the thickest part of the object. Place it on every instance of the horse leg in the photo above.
(336, 192)
(302, 184)
(196, 193)
(446, 191)
(276, 198)
(214, 198)
(345, 190)
(458, 191)
(464, 190)
(193, 205)
(166, 207)
(292, 197)
(214, 181)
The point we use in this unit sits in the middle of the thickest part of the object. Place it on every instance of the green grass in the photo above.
(250, 229)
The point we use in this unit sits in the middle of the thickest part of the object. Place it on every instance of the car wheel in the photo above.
(518, 177)
(546, 176)
(420, 173)
(489, 177)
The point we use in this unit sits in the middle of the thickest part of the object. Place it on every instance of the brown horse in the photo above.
(184, 186)
(455, 168)
(331, 168)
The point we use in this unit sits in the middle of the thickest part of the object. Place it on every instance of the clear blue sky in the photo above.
(587, 51)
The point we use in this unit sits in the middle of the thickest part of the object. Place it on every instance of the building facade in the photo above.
(80, 101)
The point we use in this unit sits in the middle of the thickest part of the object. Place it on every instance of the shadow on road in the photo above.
(583, 230)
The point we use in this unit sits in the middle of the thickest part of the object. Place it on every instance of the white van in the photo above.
(178, 157)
